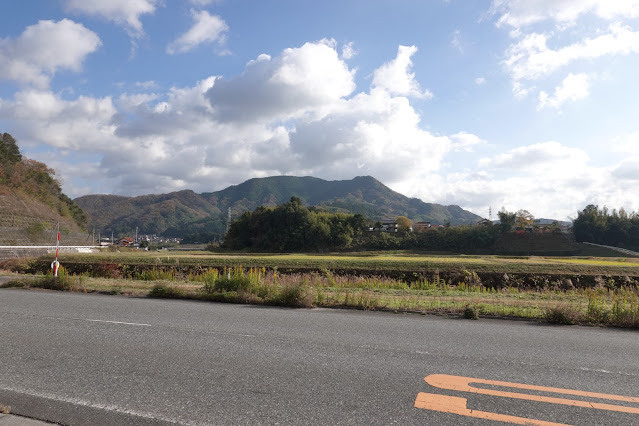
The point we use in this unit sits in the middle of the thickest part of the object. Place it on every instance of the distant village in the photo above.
(386, 225)
(536, 226)
(143, 240)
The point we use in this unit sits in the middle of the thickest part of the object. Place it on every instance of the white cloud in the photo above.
(149, 84)
(464, 141)
(206, 29)
(480, 81)
(584, 33)
(372, 133)
(627, 144)
(573, 88)
(45, 48)
(131, 102)
(201, 3)
(396, 76)
(348, 51)
(548, 179)
(532, 59)
(456, 41)
(82, 124)
(549, 157)
(303, 80)
(294, 113)
(519, 13)
(627, 170)
(520, 91)
(123, 12)
(298, 113)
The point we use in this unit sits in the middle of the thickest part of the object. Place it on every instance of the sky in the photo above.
(486, 104)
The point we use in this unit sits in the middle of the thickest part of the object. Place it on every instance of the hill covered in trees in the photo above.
(204, 216)
(32, 201)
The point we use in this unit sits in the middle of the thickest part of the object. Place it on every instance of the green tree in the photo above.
(9, 151)
(293, 227)
(507, 220)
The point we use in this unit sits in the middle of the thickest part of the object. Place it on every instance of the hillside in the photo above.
(364, 195)
(173, 214)
(32, 202)
(185, 212)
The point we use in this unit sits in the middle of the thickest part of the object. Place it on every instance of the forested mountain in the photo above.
(32, 202)
(364, 195)
(185, 212)
(175, 214)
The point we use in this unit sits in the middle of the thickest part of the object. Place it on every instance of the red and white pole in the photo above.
(56, 265)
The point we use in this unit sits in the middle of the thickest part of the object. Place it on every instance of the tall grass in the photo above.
(608, 303)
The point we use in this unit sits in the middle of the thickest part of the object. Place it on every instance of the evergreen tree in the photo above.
(9, 151)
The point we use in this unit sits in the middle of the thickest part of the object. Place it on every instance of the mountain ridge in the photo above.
(186, 212)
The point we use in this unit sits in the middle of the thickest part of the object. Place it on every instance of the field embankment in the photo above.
(490, 271)
(561, 290)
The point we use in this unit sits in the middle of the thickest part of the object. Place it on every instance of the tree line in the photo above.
(293, 227)
(601, 226)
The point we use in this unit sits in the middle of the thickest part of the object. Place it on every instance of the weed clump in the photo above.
(471, 313)
(164, 291)
(561, 315)
(63, 282)
(296, 294)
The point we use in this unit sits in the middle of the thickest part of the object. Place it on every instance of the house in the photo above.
(386, 225)
(389, 225)
(549, 225)
(105, 242)
(127, 242)
(485, 222)
(421, 226)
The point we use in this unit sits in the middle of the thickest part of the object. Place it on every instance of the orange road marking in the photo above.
(457, 405)
(462, 384)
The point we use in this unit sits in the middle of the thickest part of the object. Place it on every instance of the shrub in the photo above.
(156, 274)
(561, 315)
(296, 294)
(471, 313)
(63, 282)
(108, 270)
(166, 291)
(20, 265)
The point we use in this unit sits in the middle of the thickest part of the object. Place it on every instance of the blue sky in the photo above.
(522, 104)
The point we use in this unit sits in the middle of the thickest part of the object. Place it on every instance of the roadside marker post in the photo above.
(55, 265)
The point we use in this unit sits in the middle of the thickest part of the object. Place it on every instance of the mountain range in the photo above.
(182, 213)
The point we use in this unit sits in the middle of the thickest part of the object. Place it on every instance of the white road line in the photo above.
(100, 406)
(93, 320)
(114, 322)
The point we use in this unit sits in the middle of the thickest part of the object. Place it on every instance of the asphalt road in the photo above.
(92, 359)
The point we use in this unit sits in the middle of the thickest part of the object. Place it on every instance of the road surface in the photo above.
(93, 359)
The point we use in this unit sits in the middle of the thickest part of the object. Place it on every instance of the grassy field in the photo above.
(368, 262)
(596, 291)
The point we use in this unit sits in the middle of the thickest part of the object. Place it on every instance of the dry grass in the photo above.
(597, 306)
